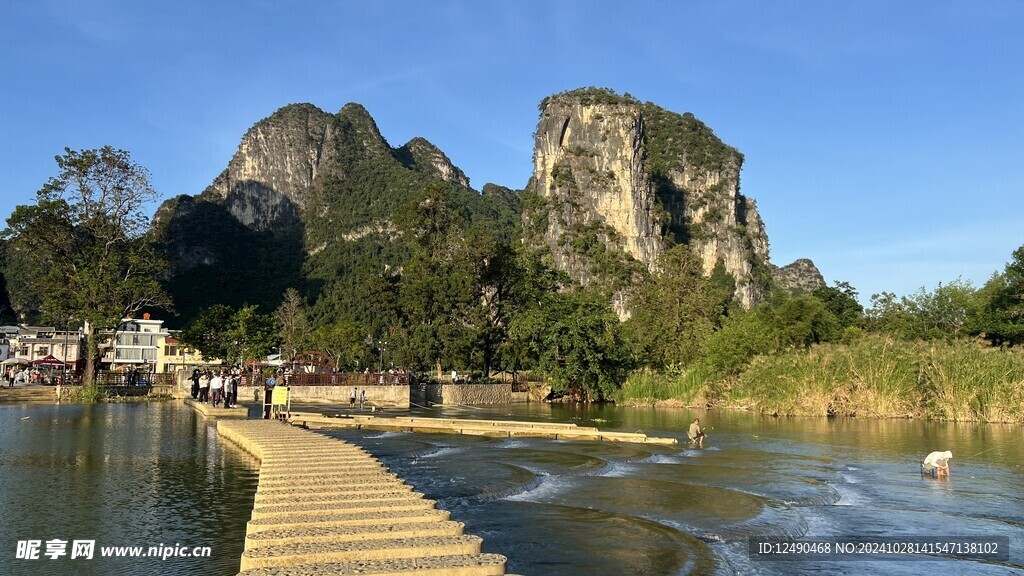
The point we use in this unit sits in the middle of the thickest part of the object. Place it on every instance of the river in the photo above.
(121, 475)
(152, 474)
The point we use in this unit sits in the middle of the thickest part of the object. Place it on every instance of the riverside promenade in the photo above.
(324, 506)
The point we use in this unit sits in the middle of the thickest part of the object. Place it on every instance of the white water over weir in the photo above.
(324, 506)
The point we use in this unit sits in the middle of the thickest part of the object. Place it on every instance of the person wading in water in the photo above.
(696, 433)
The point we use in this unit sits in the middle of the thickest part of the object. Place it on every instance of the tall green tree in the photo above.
(999, 309)
(208, 332)
(534, 284)
(86, 235)
(677, 309)
(841, 301)
(251, 336)
(438, 287)
(293, 322)
(576, 340)
(948, 311)
(804, 320)
(345, 342)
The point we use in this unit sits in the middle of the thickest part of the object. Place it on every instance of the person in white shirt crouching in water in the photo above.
(937, 464)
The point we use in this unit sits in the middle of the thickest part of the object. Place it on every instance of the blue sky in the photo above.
(883, 139)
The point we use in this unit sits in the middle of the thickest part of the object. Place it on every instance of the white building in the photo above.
(137, 342)
(37, 342)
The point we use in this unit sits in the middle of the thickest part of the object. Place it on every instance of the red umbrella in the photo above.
(49, 361)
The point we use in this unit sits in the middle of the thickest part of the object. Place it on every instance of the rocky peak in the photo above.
(800, 277)
(615, 182)
(505, 194)
(360, 132)
(420, 155)
(264, 185)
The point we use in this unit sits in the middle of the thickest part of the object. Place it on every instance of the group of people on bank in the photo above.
(22, 376)
(216, 387)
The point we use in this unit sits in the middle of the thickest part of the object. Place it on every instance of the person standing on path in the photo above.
(352, 399)
(362, 399)
(232, 390)
(217, 385)
(204, 387)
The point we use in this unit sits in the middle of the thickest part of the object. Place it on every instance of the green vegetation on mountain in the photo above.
(589, 96)
(229, 264)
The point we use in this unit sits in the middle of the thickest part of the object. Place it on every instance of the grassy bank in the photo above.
(873, 376)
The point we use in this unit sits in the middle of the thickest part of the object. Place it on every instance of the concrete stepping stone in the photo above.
(341, 500)
(344, 496)
(353, 507)
(369, 488)
(346, 533)
(461, 565)
(387, 549)
(346, 519)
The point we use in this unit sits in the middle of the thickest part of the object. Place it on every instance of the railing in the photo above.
(340, 379)
(350, 379)
(142, 379)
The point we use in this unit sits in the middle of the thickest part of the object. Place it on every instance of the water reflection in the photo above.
(123, 475)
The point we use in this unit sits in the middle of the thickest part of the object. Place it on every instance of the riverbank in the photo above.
(872, 377)
(74, 394)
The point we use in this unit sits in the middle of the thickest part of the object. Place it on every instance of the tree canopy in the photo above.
(82, 245)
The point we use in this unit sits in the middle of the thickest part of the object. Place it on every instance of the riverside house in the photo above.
(137, 342)
(37, 342)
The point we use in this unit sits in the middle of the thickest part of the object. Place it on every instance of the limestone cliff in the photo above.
(615, 182)
(265, 185)
(308, 197)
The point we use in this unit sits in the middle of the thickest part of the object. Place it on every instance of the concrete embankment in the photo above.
(211, 411)
(492, 428)
(27, 394)
(324, 506)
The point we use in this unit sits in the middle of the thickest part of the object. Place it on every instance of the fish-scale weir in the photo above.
(324, 506)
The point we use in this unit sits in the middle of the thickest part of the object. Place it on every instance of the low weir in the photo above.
(476, 427)
(324, 506)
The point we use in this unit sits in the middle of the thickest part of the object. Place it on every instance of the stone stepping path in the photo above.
(325, 507)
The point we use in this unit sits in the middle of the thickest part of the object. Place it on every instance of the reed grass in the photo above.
(873, 376)
(693, 386)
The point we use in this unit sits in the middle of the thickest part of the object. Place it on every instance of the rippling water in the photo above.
(609, 508)
(122, 475)
(150, 474)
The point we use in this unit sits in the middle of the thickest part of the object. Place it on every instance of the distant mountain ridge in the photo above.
(309, 200)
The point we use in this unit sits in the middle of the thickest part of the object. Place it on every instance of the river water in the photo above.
(610, 508)
(121, 475)
(151, 474)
